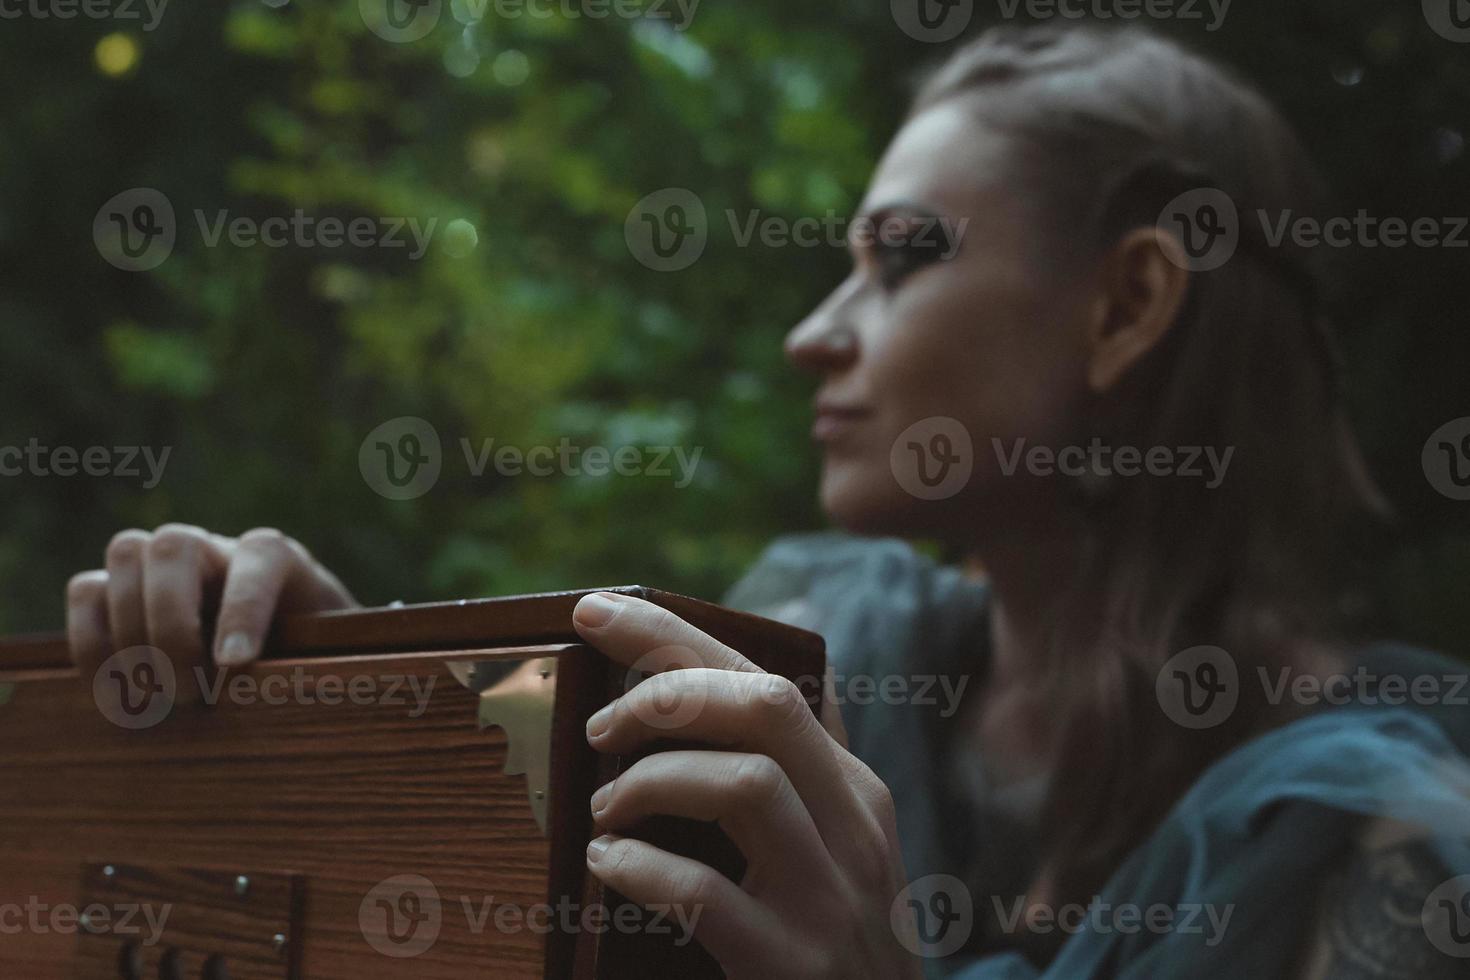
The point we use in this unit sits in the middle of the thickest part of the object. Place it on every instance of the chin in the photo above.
(867, 501)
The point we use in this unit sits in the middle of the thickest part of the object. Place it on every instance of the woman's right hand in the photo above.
(157, 584)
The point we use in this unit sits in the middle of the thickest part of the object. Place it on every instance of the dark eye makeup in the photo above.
(901, 241)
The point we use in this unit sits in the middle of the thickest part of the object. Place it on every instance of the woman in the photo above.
(1018, 288)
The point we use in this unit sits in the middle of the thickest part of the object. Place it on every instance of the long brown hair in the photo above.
(1112, 125)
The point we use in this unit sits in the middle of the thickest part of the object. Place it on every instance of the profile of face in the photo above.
(987, 326)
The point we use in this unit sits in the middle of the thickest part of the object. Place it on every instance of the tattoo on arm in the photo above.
(1372, 923)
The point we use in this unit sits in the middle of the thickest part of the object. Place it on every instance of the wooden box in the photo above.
(393, 792)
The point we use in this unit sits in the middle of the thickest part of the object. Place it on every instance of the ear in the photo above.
(1140, 292)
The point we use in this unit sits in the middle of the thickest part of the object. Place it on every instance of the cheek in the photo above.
(1003, 360)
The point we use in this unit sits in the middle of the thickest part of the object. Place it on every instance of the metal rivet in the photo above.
(109, 872)
(278, 941)
(242, 885)
(85, 919)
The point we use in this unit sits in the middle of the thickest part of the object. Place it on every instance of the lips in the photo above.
(833, 420)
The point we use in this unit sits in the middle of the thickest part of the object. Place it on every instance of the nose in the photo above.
(825, 341)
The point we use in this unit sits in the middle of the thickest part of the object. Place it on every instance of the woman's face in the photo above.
(976, 326)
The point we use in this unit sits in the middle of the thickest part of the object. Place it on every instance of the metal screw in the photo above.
(278, 941)
(109, 872)
(242, 886)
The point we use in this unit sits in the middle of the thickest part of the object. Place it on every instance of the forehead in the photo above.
(943, 159)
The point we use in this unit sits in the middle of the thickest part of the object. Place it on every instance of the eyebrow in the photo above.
(897, 208)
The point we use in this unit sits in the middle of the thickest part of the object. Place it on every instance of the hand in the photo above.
(155, 586)
(815, 825)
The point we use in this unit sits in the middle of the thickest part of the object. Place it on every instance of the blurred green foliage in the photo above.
(265, 368)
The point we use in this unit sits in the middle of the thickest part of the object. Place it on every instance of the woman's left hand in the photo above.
(815, 825)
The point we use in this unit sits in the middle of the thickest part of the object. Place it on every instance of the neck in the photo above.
(1025, 572)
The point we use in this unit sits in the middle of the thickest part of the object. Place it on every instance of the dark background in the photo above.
(264, 369)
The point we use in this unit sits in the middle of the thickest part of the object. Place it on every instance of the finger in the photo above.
(724, 919)
(87, 633)
(125, 612)
(763, 714)
(178, 562)
(831, 710)
(749, 796)
(629, 630)
(268, 573)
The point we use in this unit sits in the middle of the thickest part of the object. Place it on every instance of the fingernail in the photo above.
(234, 651)
(600, 798)
(598, 848)
(596, 610)
(598, 723)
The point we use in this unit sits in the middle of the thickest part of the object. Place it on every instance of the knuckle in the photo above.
(173, 541)
(265, 539)
(126, 546)
(658, 620)
(781, 700)
(758, 780)
(879, 799)
(696, 888)
(870, 838)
